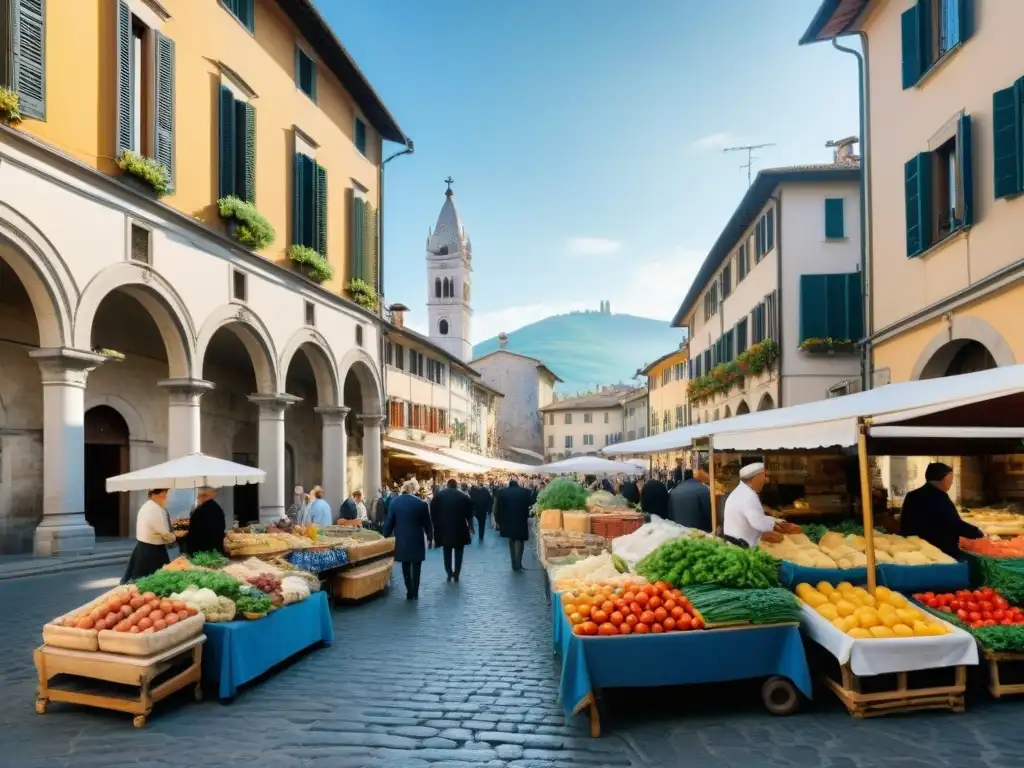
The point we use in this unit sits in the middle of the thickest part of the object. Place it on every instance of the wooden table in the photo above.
(83, 675)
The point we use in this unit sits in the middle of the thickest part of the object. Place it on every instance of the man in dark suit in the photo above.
(928, 512)
(206, 527)
(690, 503)
(483, 503)
(409, 520)
(512, 515)
(451, 512)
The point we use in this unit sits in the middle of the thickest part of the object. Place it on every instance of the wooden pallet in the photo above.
(900, 698)
(1004, 659)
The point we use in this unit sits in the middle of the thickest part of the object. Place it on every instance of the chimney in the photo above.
(843, 154)
(502, 340)
(397, 314)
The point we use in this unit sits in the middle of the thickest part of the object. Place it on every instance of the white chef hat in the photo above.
(751, 470)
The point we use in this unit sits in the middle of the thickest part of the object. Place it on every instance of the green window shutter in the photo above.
(854, 306)
(370, 253)
(246, 13)
(813, 307)
(28, 60)
(298, 199)
(164, 143)
(965, 20)
(125, 139)
(228, 143)
(357, 266)
(836, 315)
(320, 215)
(769, 230)
(911, 37)
(918, 190)
(834, 225)
(1007, 143)
(312, 80)
(248, 155)
(965, 159)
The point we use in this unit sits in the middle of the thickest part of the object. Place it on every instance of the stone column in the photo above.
(271, 455)
(335, 455)
(371, 455)
(63, 529)
(183, 425)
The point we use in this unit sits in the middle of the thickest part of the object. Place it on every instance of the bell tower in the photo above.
(449, 280)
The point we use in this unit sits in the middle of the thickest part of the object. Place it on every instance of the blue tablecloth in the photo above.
(917, 578)
(675, 658)
(791, 574)
(236, 652)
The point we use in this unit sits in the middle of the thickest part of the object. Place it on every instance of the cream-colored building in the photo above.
(775, 310)
(634, 414)
(945, 173)
(667, 382)
(583, 424)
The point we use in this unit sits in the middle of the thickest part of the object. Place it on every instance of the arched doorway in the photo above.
(766, 403)
(106, 455)
(957, 357)
(728, 412)
(361, 392)
(742, 409)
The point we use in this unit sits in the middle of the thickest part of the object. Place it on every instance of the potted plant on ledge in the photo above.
(310, 263)
(829, 346)
(10, 106)
(144, 173)
(246, 225)
(362, 293)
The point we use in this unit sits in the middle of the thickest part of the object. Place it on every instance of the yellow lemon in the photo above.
(867, 599)
(845, 608)
(882, 632)
(881, 593)
(896, 600)
(828, 611)
(814, 599)
(868, 618)
(906, 615)
(860, 634)
(853, 599)
(902, 630)
(825, 588)
(803, 590)
(835, 597)
(843, 585)
(849, 623)
(839, 624)
(921, 629)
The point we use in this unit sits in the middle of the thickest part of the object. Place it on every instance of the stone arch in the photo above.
(136, 424)
(443, 326)
(437, 287)
(742, 409)
(766, 402)
(728, 413)
(939, 352)
(40, 268)
(253, 334)
(321, 359)
(157, 297)
(358, 362)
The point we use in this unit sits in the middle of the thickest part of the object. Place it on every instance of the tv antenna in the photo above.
(749, 149)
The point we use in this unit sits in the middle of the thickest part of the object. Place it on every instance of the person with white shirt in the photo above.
(153, 537)
(744, 519)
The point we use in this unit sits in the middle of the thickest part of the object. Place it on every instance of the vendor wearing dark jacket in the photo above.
(207, 526)
(654, 498)
(928, 512)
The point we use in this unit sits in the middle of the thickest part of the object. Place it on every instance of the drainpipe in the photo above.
(407, 150)
(778, 291)
(866, 267)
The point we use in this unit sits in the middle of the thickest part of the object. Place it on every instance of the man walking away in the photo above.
(409, 520)
(512, 515)
(654, 498)
(483, 503)
(690, 503)
(451, 512)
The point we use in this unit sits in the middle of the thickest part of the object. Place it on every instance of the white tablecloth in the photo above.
(884, 655)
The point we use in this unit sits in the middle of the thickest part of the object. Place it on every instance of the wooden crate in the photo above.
(363, 581)
(895, 693)
(1000, 662)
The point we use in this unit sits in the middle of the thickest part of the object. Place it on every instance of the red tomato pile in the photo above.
(633, 609)
(979, 608)
(128, 611)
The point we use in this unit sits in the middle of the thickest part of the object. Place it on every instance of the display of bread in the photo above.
(837, 551)
(995, 522)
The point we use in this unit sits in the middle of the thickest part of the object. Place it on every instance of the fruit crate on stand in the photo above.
(613, 526)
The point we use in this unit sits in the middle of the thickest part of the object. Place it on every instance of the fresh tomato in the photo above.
(961, 614)
(972, 605)
(946, 609)
(998, 614)
(986, 605)
(974, 616)
(697, 623)
(956, 605)
(975, 624)
(989, 622)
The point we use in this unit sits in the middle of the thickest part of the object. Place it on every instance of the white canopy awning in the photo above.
(589, 465)
(834, 422)
(526, 452)
(193, 471)
(487, 462)
(433, 457)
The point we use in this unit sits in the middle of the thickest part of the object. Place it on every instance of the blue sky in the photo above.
(585, 137)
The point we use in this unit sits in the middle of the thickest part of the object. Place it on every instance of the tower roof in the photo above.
(449, 230)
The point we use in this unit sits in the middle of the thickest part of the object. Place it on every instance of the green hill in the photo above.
(591, 348)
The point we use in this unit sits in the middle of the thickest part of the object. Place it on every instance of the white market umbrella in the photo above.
(589, 465)
(193, 471)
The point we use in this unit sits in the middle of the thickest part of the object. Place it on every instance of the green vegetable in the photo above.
(814, 531)
(562, 493)
(620, 565)
(1005, 575)
(165, 583)
(685, 561)
(731, 606)
(251, 604)
(209, 560)
(996, 638)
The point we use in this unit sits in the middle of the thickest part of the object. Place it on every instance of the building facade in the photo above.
(775, 312)
(582, 425)
(944, 181)
(527, 385)
(449, 283)
(635, 421)
(138, 324)
(667, 382)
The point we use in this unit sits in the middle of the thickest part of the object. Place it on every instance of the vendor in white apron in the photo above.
(744, 517)
(154, 538)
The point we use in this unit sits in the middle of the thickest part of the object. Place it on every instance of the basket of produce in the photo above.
(994, 548)
(254, 607)
(362, 581)
(362, 550)
(254, 545)
(149, 625)
(700, 560)
(611, 526)
(79, 630)
(554, 544)
(351, 534)
(605, 567)
(855, 612)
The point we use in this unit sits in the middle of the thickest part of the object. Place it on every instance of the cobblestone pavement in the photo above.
(462, 678)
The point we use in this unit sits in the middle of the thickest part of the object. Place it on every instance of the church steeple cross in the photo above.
(449, 181)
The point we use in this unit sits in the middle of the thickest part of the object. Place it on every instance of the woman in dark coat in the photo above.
(207, 525)
(451, 512)
(409, 520)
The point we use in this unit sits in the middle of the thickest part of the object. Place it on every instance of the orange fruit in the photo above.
(657, 628)
(570, 609)
(625, 629)
(660, 614)
(583, 610)
(579, 630)
(575, 619)
(615, 618)
(641, 629)
(598, 616)
(607, 606)
(632, 620)
(607, 629)
(669, 624)
(589, 628)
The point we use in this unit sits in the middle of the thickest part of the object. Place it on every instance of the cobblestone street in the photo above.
(463, 678)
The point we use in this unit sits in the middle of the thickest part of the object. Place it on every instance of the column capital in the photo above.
(371, 419)
(333, 415)
(185, 390)
(273, 403)
(65, 365)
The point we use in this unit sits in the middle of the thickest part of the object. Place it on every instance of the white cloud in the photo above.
(592, 246)
(716, 141)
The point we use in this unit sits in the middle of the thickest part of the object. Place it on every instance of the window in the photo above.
(666, 376)
(930, 30)
(831, 307)
(364, 261)
(741, 336)
(834, 229)
(237, 145)
(309, 204)
(243, 11)
(389, 354)
(551, 419)
(679, 416)
(139, 245)
(711, 300)
(568, 441)
(758, 325)
(588, 439)
(360, 136)
(551, 441)
(397, 413)
(764, 234)
(606, 418)
(435, 371)
(1007, 134)
(708, 365)
(727, 346)
(437, 287)
(359, 335)
(939, 188)
(23, 29)
(145, 86)
(741, 263)
(399, 357)
(588, 418)
(726, 280)
(568, 418)
(305, 73)
(239, 288)
(771, 315)
(442, 327)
